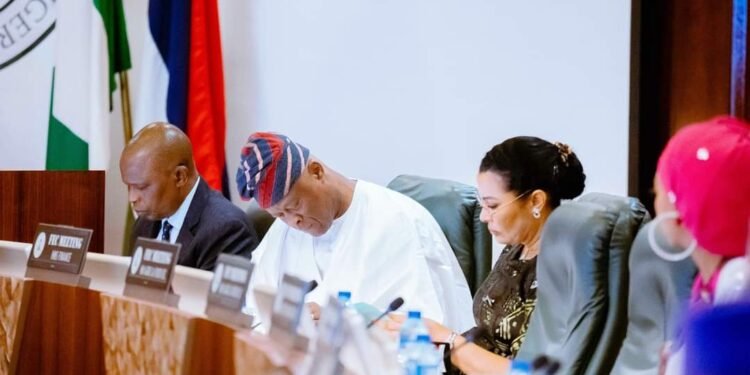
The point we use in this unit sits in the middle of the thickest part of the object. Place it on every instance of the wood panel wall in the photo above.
(74, 198)
(683, 71)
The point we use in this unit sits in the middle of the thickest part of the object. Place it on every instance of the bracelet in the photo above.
(451, 340)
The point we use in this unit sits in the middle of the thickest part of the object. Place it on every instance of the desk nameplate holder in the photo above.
(151, 271)
(332, 333)
(228, 289)
(288, 305)
(59, 254)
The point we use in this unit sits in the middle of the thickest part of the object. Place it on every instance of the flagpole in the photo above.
(127, 128)
(127, 122)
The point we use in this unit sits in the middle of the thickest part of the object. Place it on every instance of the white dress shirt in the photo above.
(178, 217)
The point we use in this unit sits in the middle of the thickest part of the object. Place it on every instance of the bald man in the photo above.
(175, 205)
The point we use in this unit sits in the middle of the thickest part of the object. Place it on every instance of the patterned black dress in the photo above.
(504, 302)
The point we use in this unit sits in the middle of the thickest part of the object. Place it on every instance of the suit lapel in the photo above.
(146, 228)
(187, 233)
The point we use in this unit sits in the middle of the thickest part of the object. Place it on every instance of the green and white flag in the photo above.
(92, 47)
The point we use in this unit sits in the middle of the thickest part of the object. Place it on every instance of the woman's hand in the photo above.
(438, 332)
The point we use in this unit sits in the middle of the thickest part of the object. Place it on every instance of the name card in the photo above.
(60, 248)
(289, 302)
(226, 294)
(332, 327)
(332, 333)
(151, 270)
(288, 305)
(230, 282)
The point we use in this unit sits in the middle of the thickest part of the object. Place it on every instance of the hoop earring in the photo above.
(667, 255)
(535, 212)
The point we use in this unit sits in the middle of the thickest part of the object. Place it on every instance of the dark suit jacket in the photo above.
(212, 225)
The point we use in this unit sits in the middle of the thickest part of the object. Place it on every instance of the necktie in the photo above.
(166, 229)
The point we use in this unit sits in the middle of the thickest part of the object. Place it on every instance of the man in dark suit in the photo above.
(175, 205)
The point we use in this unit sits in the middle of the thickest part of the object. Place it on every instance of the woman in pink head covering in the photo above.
(702, 204)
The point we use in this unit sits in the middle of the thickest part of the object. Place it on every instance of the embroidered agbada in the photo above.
(385, 245)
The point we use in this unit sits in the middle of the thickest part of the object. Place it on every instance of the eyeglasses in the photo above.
(492, 210)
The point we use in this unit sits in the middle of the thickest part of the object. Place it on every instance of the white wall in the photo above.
(379, 88)
(382, 87)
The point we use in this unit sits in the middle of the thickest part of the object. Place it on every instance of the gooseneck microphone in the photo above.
(545, 365)
(311, 286)
(393, 306)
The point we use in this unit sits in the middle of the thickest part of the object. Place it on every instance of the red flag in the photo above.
(206, 119)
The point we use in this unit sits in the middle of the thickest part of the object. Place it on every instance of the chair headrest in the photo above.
(573, 276)
(259, 219)
(661, 290)
(441, 197)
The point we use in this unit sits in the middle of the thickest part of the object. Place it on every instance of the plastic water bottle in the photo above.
(412, 328)
(425, 357)
(518, 367)
(407, 335)
(345, 297)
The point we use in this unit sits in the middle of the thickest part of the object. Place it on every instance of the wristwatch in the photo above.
(452, 339)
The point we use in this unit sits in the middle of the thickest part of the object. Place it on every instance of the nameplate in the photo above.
(332, 327)
(230, 281)
(152, 264)
(289, 302)
(227, 291)
(288, 305)
(332, 333)
(59, 248)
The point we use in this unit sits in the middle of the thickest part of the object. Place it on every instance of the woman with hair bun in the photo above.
(520, 182)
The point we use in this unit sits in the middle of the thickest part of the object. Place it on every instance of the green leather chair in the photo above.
(581, 311)
(455, 207)
(259, 219)
(660, 291)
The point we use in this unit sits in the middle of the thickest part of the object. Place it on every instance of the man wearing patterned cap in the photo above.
(175, 205)
(348, 235)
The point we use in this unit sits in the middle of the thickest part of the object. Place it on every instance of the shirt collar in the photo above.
(178, 217)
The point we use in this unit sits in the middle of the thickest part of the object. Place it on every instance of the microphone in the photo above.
(470, 337)
(394, 305)
(311, 286)
(545, 365)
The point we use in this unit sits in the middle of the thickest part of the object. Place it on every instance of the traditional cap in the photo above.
(270, 164)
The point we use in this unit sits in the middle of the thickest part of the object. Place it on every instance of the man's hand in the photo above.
(314, 310)
(392, 324)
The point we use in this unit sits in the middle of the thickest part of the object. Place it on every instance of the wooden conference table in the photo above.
(48, 328)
